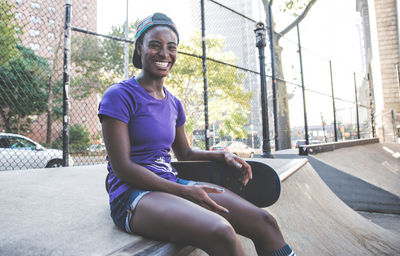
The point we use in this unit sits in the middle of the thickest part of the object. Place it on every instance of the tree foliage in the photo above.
(9, 31)
(226, 94)
(23, 89)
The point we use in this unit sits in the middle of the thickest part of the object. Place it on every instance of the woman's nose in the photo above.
(163, 51)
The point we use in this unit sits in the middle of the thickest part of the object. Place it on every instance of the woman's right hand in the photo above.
(199, 195)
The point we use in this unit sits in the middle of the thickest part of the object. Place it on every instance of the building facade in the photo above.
(381, 60)
(42, 24)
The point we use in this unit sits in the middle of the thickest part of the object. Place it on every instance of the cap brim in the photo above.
(137, 62)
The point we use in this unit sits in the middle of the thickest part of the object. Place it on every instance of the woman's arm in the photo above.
(184, 152)
(116, 138)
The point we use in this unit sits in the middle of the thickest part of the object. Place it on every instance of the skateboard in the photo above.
(263, 190)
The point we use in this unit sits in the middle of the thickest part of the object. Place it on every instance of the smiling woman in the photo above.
(141, 122)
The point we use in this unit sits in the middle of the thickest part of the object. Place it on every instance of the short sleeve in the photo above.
(181, 119)
(116, 103)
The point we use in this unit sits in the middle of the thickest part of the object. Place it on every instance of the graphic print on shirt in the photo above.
(162, 165)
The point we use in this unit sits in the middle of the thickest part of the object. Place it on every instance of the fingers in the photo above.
(210, 204)
(245, 168)
(209, 189)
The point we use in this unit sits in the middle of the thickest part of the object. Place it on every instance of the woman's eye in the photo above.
(155, 46)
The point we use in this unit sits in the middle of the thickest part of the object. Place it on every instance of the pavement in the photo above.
(64, 211)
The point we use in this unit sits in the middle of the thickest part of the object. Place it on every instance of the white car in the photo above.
(235, 147)
(19, 152)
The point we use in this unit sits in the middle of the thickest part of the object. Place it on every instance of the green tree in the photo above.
(99, 62)
(9, 31)
(226, 94)
(79, 139)
(298, 10)
(23, 89)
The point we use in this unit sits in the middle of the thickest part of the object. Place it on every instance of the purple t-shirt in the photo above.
(151, 124)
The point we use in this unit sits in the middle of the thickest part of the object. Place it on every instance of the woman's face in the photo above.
(158, 51)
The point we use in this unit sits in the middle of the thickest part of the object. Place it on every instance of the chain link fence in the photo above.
(31, 83)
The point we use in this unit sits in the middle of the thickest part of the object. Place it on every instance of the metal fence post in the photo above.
(274, 99)
(333, 102)
(302, 87)
(394, 125)
(357, 114)
(205, 80)
(371, 105)
(66, 80)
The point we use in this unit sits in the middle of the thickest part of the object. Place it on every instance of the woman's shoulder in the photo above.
(124, 87)
(171, 96)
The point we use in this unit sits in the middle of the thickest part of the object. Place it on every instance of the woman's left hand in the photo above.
(239, 164)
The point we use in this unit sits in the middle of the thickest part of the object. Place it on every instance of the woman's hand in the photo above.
(199, 195)
(239, 164)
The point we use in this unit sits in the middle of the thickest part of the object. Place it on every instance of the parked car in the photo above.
(235, 147)
(300, 143)
(303, 142)
(19, 152)
(96, 149)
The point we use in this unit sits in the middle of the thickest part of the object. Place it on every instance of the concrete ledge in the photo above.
(65, 211)
(325, 147)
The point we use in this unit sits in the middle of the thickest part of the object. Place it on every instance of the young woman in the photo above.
(141, 122)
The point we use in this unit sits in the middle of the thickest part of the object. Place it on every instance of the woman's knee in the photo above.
(268, 219)
(223, 231)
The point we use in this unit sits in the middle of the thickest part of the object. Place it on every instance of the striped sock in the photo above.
(284, 251)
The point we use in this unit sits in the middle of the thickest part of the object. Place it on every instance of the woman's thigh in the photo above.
(244, 216)
(166, 217)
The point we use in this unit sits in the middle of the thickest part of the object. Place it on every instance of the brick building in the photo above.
(381, 33)
(42, 23)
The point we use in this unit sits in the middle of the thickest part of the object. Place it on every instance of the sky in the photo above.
(329, 32)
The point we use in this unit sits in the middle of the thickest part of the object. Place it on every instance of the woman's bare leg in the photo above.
(251, 221)
(166, 217)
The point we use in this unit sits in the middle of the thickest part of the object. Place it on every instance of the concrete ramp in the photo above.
(377, 164)
(315, 222)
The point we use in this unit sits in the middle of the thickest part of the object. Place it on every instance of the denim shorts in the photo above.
(123, 207)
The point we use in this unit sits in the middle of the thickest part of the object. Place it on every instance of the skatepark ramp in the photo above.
(315, 222)
(64, 211)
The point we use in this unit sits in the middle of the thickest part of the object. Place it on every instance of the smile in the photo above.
(162, 64)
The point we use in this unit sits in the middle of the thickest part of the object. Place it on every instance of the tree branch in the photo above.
(298, 19)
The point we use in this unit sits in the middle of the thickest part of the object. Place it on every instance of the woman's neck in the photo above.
(154, 87)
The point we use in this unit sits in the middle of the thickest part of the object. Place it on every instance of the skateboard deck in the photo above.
(263, 190)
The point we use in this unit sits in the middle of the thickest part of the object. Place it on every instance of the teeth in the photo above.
(162, 64)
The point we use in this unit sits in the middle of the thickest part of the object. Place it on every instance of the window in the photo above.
(19, 2)
(4, 143)
(85, 17)
(35, 5)
(18, 15)
(51, 23)
(34, 46)
(16, 142)
(34, 32)
(35, 19)
(50, 36)
(52, 10)
(84, 5)
(84, 119)
(50, 49)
